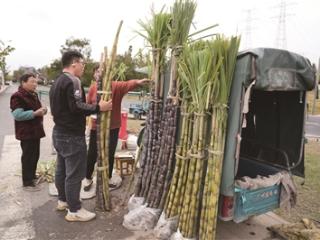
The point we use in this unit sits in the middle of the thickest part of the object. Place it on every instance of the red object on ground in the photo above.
(123, 134)
(226, 210)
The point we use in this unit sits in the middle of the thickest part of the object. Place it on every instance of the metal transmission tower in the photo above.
(248, 29)
(281, 37)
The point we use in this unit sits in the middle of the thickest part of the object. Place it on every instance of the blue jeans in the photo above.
(71, 167)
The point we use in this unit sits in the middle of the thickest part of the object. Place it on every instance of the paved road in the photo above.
(313, 126)
(6, 121)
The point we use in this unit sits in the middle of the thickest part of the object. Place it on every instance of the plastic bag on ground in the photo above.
(141, 218)
(166, 226)
(116, 179)
(132, 142)
(135, 202)
(178, 236)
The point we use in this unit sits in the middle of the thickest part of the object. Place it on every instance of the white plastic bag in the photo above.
(141, 218)
(166, 226)
(178, 236)
(116, 179)
(135, 202)
(132, 142)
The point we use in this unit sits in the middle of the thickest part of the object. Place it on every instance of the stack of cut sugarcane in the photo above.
(103, 129)
(206, 71)
(157, 34)
(182, 14)
(185, 180)
(228, 50)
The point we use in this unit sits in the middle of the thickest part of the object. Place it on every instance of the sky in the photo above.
(37, 28)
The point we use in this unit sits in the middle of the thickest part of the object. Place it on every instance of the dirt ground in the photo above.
(310, 100)
(308, 205)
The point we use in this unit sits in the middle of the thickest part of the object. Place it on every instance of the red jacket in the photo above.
(119, 89)
(29, 129)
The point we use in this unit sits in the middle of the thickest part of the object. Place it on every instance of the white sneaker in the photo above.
(62, 206)
(82, 215)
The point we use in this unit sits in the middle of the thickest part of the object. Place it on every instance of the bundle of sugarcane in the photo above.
(175, 195)
(103, 130)
(199, 74)
(157, 34)
(182, 14)
(227, 49)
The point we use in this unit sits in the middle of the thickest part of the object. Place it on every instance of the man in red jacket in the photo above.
(119, 89)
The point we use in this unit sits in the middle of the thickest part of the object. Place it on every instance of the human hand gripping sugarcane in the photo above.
(105, 105)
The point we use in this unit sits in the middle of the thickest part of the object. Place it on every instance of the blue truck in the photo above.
(138, 110)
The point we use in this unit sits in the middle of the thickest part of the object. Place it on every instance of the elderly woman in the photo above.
(28, 115)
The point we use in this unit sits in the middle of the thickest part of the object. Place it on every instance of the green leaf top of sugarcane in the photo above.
(198, 75)
(182, 15)
(156, 30)
(226, 49)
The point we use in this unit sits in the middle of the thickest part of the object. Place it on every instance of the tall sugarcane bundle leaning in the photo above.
(198, 72)
(157, 34)
(182, 14)
(227, 49)
(103, 130)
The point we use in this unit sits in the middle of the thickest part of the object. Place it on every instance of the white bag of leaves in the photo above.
(135, 202)
(178, 236)
(132, 142)
(141, 219)
(166, 226)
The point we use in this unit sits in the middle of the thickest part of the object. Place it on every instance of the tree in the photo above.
(53, 70)
(5, 51)
(81, 45)
(126, 66)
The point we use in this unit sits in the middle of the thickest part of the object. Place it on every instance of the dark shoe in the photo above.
(88, 184)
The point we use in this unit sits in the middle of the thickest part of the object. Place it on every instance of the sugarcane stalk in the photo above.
(99, 185)
(173, 195)
(227, 50)
(103, 167)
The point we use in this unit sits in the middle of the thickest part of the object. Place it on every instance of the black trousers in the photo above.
(29, 159)
(92, 151)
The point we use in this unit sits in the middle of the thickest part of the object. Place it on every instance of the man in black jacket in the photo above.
(69, 110)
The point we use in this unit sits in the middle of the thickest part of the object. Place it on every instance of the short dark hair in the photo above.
(69, 57)
(25, 77)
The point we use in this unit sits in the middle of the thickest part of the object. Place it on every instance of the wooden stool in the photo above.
(124, 164)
